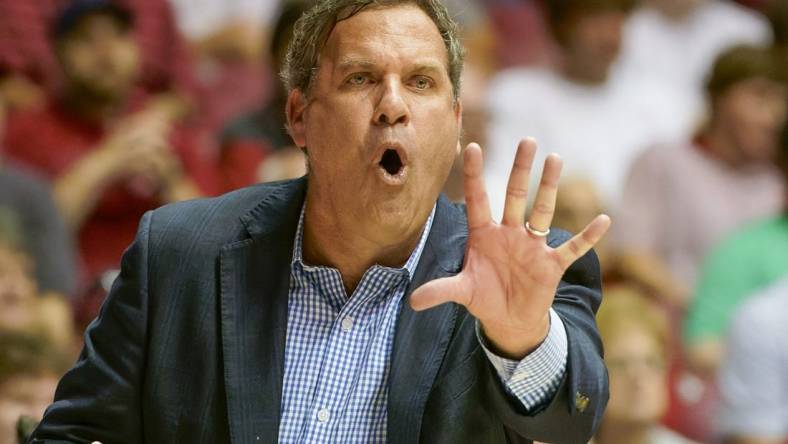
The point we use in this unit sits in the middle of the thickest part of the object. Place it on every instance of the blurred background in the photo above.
(670, 115)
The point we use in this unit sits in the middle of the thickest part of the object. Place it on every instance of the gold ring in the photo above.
(535, 232)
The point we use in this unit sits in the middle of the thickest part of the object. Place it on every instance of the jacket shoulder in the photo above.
(214, 221)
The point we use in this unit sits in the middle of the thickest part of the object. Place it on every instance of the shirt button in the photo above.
(323, 415)
(347, 324)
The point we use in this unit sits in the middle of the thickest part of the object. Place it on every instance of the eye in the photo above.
(421, 82)
(357, 79)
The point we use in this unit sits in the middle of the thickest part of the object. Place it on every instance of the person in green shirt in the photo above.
(745, 262)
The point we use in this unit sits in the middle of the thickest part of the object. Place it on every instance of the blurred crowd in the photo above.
(670, 115)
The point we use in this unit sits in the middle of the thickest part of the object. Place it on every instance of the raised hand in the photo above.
(510, 274)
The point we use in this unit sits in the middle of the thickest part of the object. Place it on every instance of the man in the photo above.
(110, 152)
(745, 262)
(612, 118)
(718, 181)
(677, 41)
(285, 312)
(754, 374)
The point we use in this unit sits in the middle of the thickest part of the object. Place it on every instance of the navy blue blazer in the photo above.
(189, 345)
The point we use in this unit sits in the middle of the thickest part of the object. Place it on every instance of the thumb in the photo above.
(440, 291)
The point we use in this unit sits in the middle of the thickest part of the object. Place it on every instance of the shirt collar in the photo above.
(410, 264)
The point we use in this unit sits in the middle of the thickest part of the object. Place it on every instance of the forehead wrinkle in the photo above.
(406, 28)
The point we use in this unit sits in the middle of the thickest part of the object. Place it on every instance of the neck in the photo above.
(623, 434)
(349, 247)
(577, 73)
(92, 108)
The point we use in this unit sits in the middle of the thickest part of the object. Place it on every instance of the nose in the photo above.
(391, 108)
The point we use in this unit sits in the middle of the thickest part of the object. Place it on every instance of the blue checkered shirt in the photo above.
(338, 350)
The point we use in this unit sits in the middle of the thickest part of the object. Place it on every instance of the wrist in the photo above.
(515, 343)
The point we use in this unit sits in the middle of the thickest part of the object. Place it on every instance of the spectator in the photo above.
(636, 337)
(260, 137)
(679, 200)
(29, 371)
(110, 153)
(754, 375)
(579, 109)
(748, 260)
(676, 41)
(28, 67)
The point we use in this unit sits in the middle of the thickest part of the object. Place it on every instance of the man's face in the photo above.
(99, 56)
(754, 111)
(593, 42)
(380, 124)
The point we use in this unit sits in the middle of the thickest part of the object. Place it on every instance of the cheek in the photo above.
(77, 61)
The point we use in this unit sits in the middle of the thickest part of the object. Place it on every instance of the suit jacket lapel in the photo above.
(422, 337)
(255, 281)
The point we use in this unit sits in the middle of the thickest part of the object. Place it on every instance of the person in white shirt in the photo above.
(754, 377)
(676, 41)
(580, 108)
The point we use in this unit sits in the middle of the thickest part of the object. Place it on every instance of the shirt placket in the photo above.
(343, 357)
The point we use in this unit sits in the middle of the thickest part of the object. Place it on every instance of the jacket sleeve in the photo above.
(574, 413)
(99, 398)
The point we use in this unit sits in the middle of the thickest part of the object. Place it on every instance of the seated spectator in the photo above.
(579, 109)
(110, 153)
(23, 307)
(28, 67)
(252, 139)
(679, 200)
(748, 260)
(636, 337)
(29, 372)
(676, 41)
(754, 375)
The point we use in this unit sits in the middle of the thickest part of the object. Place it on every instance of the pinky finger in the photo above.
(581, 243)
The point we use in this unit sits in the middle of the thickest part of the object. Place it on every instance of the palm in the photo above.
(510, 274)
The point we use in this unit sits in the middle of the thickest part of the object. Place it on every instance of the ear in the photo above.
(295, 110)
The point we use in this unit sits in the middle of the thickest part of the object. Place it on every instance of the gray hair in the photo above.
(313, 28)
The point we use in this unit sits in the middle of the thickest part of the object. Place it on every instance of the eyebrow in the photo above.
(349, 63)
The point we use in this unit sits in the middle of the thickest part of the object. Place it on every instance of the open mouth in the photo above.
(392, 166)
(391, 162)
